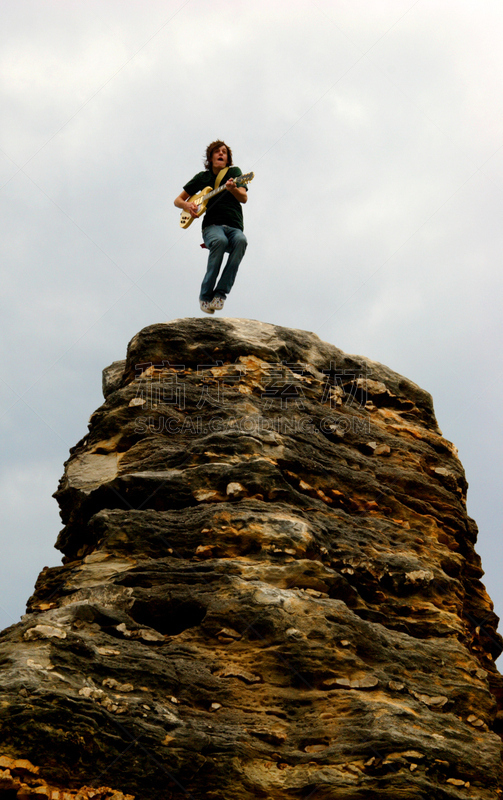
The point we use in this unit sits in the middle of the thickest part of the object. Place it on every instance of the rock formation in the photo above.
(269, 588)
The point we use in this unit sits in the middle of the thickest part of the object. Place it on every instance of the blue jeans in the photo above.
(220, 239)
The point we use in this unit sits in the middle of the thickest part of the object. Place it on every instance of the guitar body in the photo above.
(203, 197)
(200, 200)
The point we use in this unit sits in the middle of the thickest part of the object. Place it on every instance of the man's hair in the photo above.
(214, 146)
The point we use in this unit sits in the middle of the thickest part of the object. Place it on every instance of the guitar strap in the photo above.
(220, 177)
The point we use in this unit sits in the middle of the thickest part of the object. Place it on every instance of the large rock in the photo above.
(269, 587)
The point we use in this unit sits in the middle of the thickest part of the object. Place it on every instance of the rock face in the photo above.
(269, 588)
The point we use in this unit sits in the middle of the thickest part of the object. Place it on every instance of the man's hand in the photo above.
(237, 191)
(192, 209)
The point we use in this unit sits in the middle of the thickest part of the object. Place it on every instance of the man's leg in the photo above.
(237, 247)
(216, 241)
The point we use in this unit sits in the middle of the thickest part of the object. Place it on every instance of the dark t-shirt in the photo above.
(223, 209)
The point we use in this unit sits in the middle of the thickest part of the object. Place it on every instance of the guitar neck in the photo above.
(214, 192)
(240, 180)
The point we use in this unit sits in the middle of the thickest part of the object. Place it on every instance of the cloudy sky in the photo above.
(375, 131)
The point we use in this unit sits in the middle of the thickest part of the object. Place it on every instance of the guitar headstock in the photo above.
(241, 179)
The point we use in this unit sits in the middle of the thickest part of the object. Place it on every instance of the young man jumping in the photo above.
(222, 224)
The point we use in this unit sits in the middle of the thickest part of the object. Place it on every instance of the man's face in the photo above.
(219, 158)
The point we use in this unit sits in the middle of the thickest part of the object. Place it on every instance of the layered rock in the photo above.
(269, 587)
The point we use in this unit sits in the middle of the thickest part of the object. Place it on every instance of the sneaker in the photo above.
(217, 303)
(206, 307)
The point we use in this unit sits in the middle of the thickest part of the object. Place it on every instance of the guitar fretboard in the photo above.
(239, 180)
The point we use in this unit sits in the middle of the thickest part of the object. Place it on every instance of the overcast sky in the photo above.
(375, 131)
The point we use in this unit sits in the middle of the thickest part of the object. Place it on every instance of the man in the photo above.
(222, 224)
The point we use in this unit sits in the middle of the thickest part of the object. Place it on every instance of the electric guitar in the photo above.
(201, 199)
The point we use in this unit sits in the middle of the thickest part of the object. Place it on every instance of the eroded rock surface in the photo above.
(269, 588)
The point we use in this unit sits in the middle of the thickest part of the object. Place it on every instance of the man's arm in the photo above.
(239, 192)
(181, 202)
